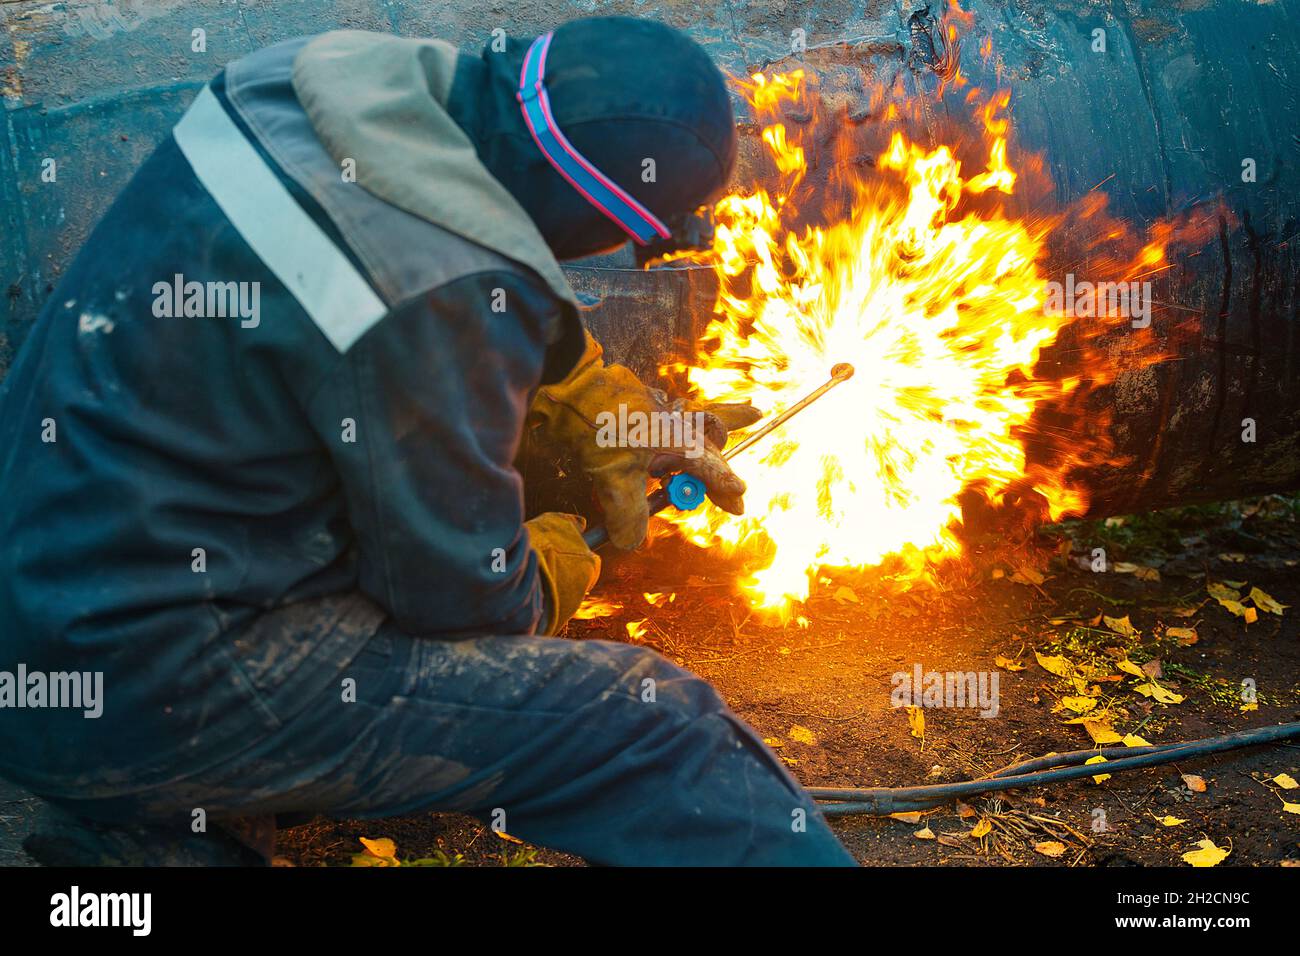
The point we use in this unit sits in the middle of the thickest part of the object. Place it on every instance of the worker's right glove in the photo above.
(568, 416)
(569, 568)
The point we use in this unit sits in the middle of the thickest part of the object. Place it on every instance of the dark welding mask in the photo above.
(607, 129)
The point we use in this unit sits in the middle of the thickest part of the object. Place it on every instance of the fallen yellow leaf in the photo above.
(1285, 781)
(1050, 848)
(1121, 625)
(1291, 807)
(916, 721)
(1195, 783)
(911, 816)
(382, 852)
(802, 735)
(1007, 664)
(1265, 602)
(1101, 732)
(983, 828)
(1247, 614)
(1163, 694)
(1098, 777)
(1207, 855)
(1133, 740)
(1185, 636)
(1055, 665)
(1169, 821)
(924, 834)
(1139, 571)
(1221, 592)
(382, 847)
(1080, 705)
(1128, 667)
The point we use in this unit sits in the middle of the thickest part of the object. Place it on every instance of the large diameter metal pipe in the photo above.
(1179, 108)
(1173, 110)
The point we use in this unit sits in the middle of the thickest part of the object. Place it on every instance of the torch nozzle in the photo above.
(839, 373)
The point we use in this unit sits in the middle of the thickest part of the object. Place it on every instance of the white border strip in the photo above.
(288, 241)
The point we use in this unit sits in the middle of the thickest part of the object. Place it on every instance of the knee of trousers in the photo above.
(650, 678)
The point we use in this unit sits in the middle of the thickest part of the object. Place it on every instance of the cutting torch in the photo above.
(685, 492)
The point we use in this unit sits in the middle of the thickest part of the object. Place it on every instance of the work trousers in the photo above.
(604, 750)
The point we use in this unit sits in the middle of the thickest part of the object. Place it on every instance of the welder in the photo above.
(294, 543)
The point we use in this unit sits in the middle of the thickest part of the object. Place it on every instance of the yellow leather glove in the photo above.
(569, 568)
(567, 417)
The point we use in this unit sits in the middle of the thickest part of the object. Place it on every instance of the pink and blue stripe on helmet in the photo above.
(597, 188)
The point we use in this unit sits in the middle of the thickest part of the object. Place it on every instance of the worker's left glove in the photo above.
(569, 568)
(575, 414)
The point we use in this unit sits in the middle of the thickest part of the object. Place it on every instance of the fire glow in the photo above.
(937, 297)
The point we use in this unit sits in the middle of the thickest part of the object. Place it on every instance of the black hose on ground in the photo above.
(1032, 773)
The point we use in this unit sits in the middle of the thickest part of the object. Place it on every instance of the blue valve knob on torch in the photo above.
(685, 492)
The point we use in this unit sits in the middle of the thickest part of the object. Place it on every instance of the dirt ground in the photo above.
(821, 695)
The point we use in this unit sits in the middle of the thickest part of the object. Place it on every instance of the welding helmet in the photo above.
(607, 129)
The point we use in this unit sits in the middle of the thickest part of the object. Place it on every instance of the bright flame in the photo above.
(936, 298)
(594, 607)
